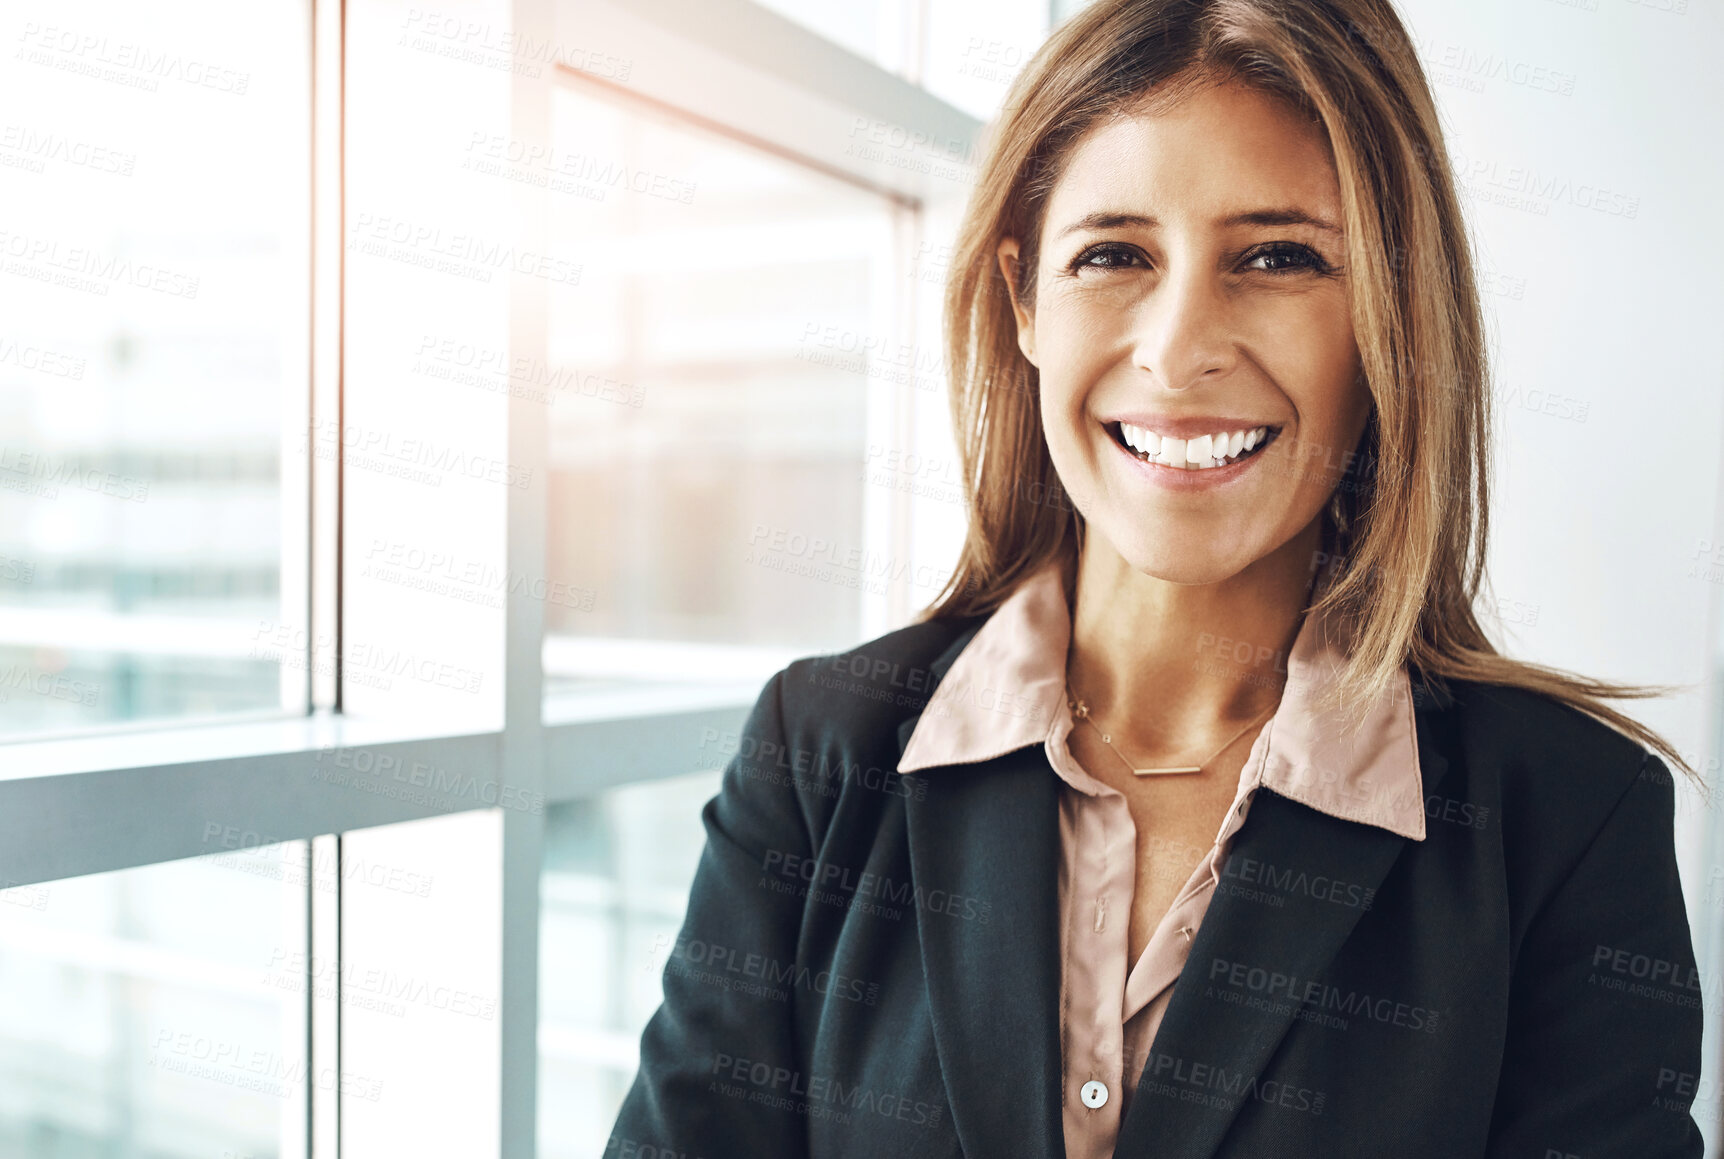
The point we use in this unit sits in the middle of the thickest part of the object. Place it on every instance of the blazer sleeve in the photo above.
(1602, 1058)
(716, 1062)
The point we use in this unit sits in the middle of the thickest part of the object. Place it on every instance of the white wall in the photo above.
(1587, 138)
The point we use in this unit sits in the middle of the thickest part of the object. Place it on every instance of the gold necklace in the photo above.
(1080, 711)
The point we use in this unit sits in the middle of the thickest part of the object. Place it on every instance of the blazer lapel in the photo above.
(1217, 1050)
(1213, 1048)
(987, 836)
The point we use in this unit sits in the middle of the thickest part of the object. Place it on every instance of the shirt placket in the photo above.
(1169, 947)
(1100, 868)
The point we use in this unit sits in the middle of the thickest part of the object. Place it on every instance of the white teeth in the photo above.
(1200, 453)
(1138, 439)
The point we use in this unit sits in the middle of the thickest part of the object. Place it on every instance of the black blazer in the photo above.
(869, 966)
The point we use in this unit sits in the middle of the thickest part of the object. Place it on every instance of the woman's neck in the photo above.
(1172, 667)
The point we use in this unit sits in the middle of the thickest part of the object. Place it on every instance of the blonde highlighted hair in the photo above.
(1406, 530)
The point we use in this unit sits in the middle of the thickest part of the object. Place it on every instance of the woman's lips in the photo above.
(1193, 455)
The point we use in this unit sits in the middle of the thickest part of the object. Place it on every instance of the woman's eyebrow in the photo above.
(1286, 215)
(1281, 215)
(1108, 220)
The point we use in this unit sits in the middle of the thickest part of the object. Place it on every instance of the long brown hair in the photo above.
(1404, 538)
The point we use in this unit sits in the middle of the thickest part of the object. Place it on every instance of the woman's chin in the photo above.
(1192, 568)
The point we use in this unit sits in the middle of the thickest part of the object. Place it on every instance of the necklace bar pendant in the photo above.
(1176, 769)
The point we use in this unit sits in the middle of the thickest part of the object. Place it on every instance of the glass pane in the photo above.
(876, 30)
(156, 1013)
(963, 51)
(715, 375)
(153, 335)
(617, 873)
(973, 49)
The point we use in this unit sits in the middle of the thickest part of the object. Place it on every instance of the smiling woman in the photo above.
(1231, 297)
(1223, 818)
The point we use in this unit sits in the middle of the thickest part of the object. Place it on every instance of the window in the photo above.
(494, 465)
(617, 872)
(155, 168)
(714, 400)
(157, 1011)
(423, 430)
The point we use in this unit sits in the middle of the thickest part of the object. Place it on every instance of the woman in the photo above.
(1215, 826)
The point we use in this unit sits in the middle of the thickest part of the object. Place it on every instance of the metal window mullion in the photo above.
(71, 824)
(522, 749)
(60, 824)
(328, 262)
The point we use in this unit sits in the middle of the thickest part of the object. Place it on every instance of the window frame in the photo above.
(139, 794)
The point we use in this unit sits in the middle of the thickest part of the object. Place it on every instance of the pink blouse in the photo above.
(1007, 690)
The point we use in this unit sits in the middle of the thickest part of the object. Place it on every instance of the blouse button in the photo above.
(1094, 1095)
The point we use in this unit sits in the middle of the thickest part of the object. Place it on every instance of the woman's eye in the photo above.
(1286, 257)
(1105, 257)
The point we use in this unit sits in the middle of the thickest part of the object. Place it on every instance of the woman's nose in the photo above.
(1184, 329)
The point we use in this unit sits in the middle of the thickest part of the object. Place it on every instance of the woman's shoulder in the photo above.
(1556, 773)
(1525, 727)
(879, 682)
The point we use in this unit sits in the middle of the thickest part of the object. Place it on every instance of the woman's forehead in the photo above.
(1216, 154)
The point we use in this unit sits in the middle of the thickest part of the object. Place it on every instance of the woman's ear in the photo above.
(1007, 255)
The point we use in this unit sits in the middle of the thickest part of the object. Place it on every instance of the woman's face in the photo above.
(1191, 309)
